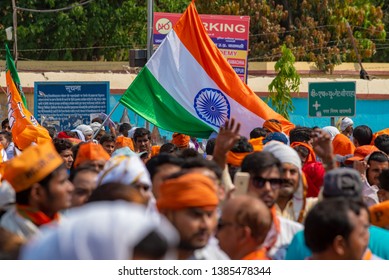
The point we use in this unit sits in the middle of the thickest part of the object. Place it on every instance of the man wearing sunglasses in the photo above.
(292, 202)
(265, 183)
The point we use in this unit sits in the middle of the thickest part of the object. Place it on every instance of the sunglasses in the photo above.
(275, 183)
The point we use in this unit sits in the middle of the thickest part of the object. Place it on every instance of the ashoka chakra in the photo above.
(212, 106)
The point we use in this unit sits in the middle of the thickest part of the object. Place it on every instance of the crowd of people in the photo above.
(90, 193)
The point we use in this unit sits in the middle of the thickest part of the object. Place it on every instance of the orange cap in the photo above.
(33, 165)
(180, 140)
(189, 190)
(361, 152)
(90, 151)
(379, 214)
(122, 141)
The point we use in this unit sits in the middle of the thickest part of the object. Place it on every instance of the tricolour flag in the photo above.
(24, 127)
(187, 86)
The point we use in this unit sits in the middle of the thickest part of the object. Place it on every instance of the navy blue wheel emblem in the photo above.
(212, 106)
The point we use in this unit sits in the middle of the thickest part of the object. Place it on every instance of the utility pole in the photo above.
(15, 27)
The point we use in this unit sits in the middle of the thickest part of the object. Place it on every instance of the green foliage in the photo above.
(314, 30)
(284, 84)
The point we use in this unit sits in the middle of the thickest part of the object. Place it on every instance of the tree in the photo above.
(314, 30)
(286, 82)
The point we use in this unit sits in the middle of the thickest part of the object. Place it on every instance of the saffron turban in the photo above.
(187, 191)
(379, 214)
(272, 126)
(257, 143)
(33, 165)
(122, 141)
(180, 140)
(236, 159)
(342, 145)
(90, 151)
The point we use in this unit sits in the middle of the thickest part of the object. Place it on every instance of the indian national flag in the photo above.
(187, 86)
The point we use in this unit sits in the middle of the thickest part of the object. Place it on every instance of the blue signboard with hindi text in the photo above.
(65, 105)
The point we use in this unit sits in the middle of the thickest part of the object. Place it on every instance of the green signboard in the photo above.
(331, 99)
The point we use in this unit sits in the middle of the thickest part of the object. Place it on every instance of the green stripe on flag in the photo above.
(150, 100)
(10, 65)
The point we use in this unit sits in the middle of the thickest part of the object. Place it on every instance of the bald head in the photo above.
(251, 212)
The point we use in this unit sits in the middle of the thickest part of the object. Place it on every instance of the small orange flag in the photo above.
(25, 128)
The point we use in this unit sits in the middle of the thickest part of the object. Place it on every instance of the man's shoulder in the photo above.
(290, 225)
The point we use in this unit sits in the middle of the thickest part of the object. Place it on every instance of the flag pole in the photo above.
(150, 19)
(15, 27)
(106, 119)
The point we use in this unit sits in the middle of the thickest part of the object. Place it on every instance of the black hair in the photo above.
(203, 163)
(140, 132)
(258, 132)
(107, 138)
(363, 135)
(153, 246)
(62, 145)
(258, 162)
(7, 135)
(300, 134)
(124, 127)
(328, 219)
(80, 169)
(384, 179)
(242, 146)
(382, 143)
(378, 156)
(168, 148)
(189, 153)
(209, 148)
(52, 130)
(155, 162)
(4, 122)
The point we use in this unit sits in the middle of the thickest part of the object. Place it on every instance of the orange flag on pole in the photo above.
(25, 128)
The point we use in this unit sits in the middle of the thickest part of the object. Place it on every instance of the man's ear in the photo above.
(243, 233)
(38, 193)
(339, 245)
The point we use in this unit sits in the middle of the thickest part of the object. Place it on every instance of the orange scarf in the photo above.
(311, 156)
(259, 254)
(37, 217)
(277, 227)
